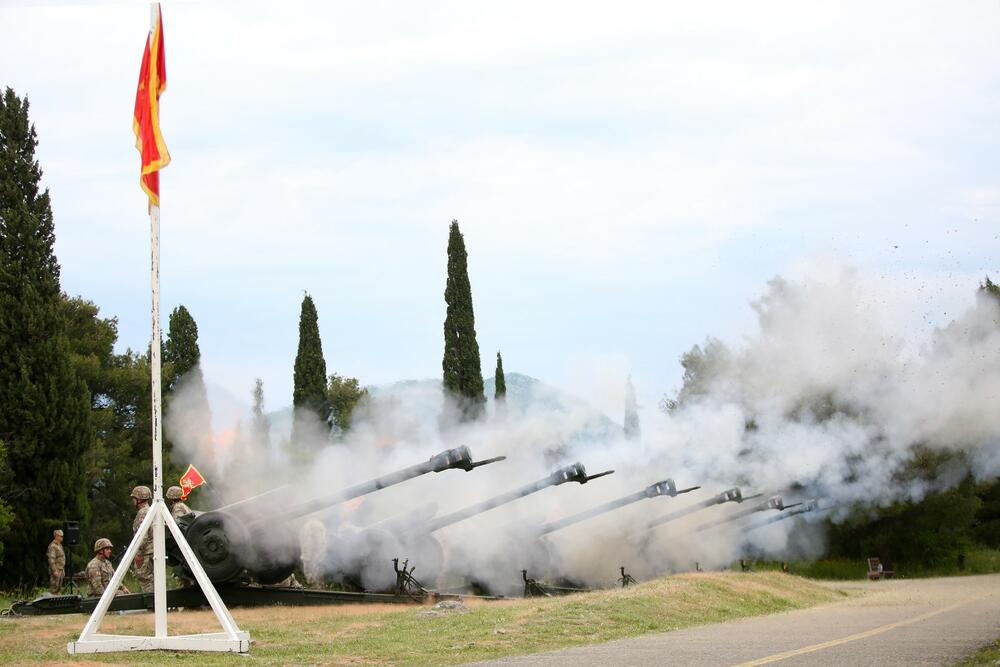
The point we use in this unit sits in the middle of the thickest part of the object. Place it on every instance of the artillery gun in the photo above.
(364, 564)
(772, 503)
(544, 557)
(733, 495)
(665, 488)
(251, 538)
(808, 506)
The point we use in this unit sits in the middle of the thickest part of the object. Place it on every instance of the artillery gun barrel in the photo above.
(451, 459)
(264, 543)
(571, 473)
(808, 506)
(375, 544)
(772, 503)
(665, 488)
(729, 495)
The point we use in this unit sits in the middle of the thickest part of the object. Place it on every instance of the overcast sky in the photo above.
(627, 176)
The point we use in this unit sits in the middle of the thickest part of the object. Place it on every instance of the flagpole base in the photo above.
(217, 641)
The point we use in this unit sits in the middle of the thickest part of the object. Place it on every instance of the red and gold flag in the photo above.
(190, 480)
(146, 121)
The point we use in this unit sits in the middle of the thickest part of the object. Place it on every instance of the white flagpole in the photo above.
(231, 639)
(159, 547)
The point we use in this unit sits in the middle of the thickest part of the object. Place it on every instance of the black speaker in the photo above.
(71, 533)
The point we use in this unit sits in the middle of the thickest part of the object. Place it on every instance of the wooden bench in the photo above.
(876, 571)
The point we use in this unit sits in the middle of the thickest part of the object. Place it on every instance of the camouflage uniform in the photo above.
(99, 573)
(57, 566)
(144, 572)
(179, 509)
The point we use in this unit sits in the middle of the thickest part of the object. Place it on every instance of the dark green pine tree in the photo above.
(500, 392)
(463, 376)
(260, 425)
(188, 420)
(991, 288)
(309, 389)
(44, 405)
(181, 347)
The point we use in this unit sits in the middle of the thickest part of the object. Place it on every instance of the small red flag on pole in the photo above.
(190, 480)
(146, 120)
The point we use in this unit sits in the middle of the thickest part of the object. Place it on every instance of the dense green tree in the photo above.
(187, 413)
(499, 382)
(463, 375)
(181, 350)
(119, 387)
(309, 390)
(987, 528)
(309, 401)
(990, 287)
(343, 394)
(701, 367)
(928, 533)
(44, 419)
(6, 513)
(632, 431)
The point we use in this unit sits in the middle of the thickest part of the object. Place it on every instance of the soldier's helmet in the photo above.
(142, 493)
(174, 493)
(103, 543)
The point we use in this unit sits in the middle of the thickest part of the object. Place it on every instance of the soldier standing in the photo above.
(57, 561)
(174, 502)
(142, 496)
(100, 570)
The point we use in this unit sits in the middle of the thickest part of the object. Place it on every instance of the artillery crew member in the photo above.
(57, 561)
(100, 570)
(142, 496)
(174, 502)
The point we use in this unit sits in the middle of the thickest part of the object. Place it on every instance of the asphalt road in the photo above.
(901, 622)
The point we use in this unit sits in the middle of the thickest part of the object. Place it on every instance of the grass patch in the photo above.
(830, 569)
(379, 634)
(977, 561)
(988, 655)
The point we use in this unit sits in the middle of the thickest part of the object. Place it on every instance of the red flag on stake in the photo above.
(190, 480)
(146, 120)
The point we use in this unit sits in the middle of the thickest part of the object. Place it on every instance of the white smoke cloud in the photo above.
(826, 399)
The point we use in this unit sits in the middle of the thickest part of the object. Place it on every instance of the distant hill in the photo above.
(525, 395)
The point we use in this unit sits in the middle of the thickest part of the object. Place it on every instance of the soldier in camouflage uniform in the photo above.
(174, 502)
(57, 561)
(100, 570)
(142, 496)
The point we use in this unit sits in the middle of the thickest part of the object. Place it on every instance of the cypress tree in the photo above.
(260, 425)
(309, 389)
(44, 419)
(188, 421)
(632, 431)
(181, 347)
(310, 367)
(463, 376)
(500, 393)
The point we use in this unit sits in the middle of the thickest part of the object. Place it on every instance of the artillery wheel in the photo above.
(219, 541)
(276, 553)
